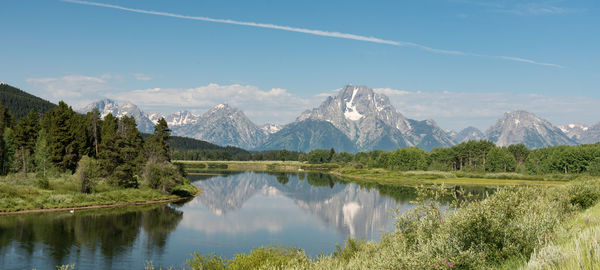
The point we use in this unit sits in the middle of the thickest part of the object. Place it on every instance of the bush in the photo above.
(584, 193)
(184, 190)
(87, 171)
(162, 176)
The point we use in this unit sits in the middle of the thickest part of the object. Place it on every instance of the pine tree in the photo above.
(26, 132)
(92, 120)
(130, 151)
(108, 149)
(42, 154)
(5, 120)
(157, 147)
(61, 123)
(8, 158)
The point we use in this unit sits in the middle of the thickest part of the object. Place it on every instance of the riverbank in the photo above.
(21, 194)
(382, 176)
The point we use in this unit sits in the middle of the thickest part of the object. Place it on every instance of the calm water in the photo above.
(235, 213)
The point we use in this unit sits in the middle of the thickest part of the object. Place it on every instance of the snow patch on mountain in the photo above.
(351, 113)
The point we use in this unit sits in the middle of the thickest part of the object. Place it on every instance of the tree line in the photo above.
(63, 141)
(474, 156)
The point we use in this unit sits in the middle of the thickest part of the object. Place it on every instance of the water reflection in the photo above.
(236, 212)
(349, 208)
(50, 239)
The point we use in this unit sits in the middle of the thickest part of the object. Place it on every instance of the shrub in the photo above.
(162, 176)
(87, 171)
(584, 193)
(184, 190)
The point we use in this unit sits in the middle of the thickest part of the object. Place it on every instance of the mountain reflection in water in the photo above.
(235, 213)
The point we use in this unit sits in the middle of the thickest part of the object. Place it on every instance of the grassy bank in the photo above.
(384, 176)
(279, 166)
(19, 193)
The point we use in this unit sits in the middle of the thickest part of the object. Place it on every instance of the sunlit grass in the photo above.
(19, 192)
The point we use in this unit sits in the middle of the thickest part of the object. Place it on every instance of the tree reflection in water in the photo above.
(111, 231)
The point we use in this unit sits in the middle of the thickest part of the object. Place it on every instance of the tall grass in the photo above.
(19, 192)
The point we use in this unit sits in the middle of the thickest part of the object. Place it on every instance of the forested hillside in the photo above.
(19, 102)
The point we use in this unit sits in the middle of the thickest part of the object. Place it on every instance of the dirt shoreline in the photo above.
(98, 206)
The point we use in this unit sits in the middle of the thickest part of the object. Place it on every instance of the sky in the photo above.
(459, 62)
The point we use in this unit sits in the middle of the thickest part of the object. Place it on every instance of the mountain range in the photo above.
(356, 119)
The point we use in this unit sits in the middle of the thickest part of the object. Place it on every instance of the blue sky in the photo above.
(540, 55)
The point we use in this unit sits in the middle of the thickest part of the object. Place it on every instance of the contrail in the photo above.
(312, 32)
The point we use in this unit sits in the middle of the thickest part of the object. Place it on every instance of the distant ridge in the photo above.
(19, 102)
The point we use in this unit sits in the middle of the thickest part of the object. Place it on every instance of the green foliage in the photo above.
(210, 262)
(88, 170)
(26, 132)
(21, 193)
(594, 167)
(162, 176)
(66, 267)
(64, 127)
(108, 154)
(584, 193)
(500, 159)
(19, 103)
(319, 156)
(43, 163)
(407, 159)
(9, 151)
(157, 147)
(184, 190)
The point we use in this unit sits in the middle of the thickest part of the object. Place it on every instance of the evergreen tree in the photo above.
(61, 123)
(8, 158)
(108, 149)
(130, 152)
(92, 120)
(26, 132)
(157, 147)
(5, 120)
(42, 154)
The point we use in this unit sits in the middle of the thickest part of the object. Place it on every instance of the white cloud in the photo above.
(142, 77)
(274, 105)
(522, 7)
(74, 89)
(314, 32)
(456, 110)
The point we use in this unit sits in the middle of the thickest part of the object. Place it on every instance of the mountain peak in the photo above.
(370, 121)
(524, 127)
(106, 106)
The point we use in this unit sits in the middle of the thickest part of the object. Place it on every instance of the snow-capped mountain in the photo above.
(181, 118)
(117, 109)
(222, 125)
(270, 128)
(523, 127)
(371, 122)
(468, 134)
(591, 135)
(356, 119)
(575, 131)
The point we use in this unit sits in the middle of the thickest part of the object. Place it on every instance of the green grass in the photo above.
(195, 166)
(19, 192)
(577, 247)
(383, 176)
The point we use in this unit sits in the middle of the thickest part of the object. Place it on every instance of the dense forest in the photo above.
(19, 102)
(63, 141)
